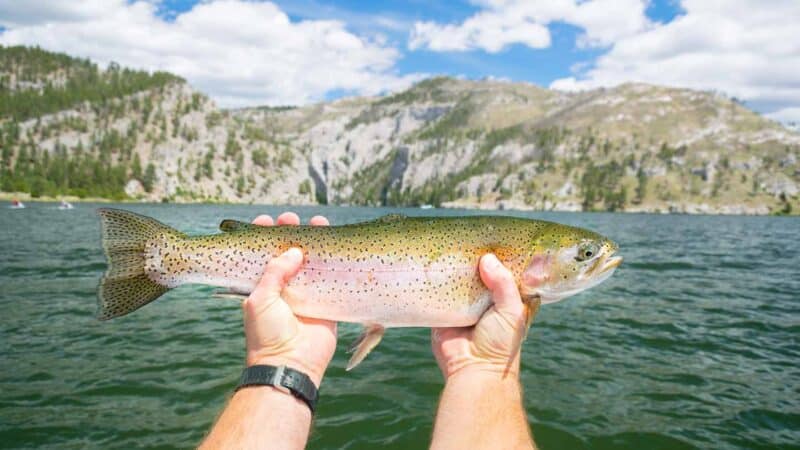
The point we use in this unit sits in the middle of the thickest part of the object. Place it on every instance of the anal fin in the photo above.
(360, 348)
(229, 295)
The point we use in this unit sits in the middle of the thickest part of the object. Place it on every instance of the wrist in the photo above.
(315, 373)
(283, 378)
(482, 369)
(274, 394)
(475, 380)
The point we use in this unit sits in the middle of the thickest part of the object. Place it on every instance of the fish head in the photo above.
(567, 260)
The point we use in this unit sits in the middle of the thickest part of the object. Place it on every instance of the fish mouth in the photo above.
(607, 263)
(610, 262)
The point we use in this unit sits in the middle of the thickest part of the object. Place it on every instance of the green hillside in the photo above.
(68, 127)
(35, 83)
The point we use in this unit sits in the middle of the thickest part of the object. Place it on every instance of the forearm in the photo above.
(481, 410)
(259, 417)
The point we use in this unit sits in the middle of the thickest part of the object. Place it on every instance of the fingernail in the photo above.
(294, 254)
(491, 261)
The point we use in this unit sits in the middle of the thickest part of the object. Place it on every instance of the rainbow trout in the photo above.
(395, 271)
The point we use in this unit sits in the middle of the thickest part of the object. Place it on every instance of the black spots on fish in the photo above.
(121, 296)
(367, 247)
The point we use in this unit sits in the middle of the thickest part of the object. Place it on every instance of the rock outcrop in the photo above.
(445, 141)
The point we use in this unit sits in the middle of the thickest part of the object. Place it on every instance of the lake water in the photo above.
(693, 343)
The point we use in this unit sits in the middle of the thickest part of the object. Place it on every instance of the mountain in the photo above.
(68, 127)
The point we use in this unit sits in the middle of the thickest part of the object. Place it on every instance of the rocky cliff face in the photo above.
(490, 144)
(444, 141)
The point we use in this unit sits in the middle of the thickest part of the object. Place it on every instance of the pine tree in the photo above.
(136, 167)
(232, 148)
(149, 179)
(641, 186)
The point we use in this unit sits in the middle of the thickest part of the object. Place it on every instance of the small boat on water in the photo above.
(16, 204)
(65, 205)
(426, 207)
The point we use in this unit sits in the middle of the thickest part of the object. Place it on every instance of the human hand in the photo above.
(493, 344)
(273, 334)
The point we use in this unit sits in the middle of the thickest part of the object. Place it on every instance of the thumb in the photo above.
(500, 281)
(276, 275)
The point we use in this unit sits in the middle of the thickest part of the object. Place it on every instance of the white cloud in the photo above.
(786, 115)
(606, 21)
(749, 49)
(240, 53)
(488, 31)
(744, 48)
(15, 13)
(506, 22)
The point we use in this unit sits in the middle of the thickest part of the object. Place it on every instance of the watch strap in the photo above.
(297, 383)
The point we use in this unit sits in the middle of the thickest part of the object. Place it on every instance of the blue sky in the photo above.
(517, 62)
(249, 52)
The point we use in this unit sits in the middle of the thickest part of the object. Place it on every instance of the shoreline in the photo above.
(25, 197)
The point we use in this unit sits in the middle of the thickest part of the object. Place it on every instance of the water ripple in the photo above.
(694, 343)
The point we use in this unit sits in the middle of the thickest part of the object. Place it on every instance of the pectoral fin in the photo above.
(532, 305)
(360, 348)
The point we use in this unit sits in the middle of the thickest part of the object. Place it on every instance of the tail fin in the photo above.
(125, 287)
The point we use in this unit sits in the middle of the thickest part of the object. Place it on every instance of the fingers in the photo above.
(284, 267)
(319, 221)
(501, 282)
(277, 273)
(263, 220)
(289, 218)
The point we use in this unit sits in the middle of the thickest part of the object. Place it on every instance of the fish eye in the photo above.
(587, 251)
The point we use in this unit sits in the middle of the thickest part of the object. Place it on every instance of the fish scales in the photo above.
(403, 272)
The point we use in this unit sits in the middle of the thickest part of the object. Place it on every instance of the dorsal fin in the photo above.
(229, 225)
(394, 217)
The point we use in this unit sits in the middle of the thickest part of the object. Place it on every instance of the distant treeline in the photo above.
(75, 172)
(37, 82)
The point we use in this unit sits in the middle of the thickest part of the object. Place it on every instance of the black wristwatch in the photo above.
(295, 382)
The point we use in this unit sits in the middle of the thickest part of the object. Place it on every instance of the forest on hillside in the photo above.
(70, 127)
(34, 83)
